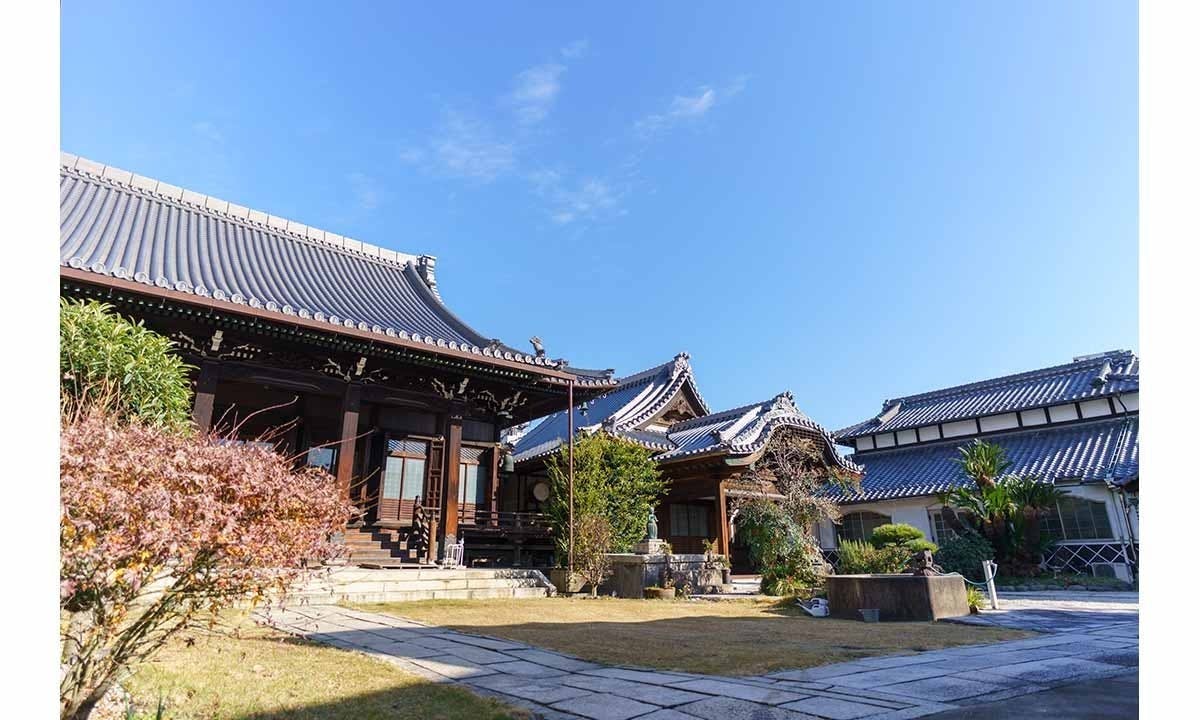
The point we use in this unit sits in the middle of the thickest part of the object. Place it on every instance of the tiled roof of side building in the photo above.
(117, 224)
(744, 431)
(1088, 452)
(1091, 376)
(635, 400)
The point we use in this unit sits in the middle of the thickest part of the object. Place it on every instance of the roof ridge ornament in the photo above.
(681, 364)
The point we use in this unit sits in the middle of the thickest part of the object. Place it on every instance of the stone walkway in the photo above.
(560, 687)
(1061, 611)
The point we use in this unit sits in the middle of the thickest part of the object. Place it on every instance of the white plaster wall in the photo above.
(998, 422)
(864, 443)
(906, 437)
(1094, 408)
(1062, 413)
(1130, 400)
(911, 511)
(884, 440)
(956, 429)
(1033, 417)
(930, 432)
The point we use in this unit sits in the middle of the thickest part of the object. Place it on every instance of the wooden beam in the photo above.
(206, 395)
(347, 439)
(494, 485)
(448, 527)
(723, 518)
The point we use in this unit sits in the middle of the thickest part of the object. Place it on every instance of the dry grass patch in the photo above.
(268, 674)
(735, 637)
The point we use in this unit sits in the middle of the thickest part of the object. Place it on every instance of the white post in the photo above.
(989, 574)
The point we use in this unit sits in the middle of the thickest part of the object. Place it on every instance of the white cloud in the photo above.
(689, 108)
(574, 50)
(534, 92)
(366, 190)
(208, 131)
(466, 148)
(587, 199)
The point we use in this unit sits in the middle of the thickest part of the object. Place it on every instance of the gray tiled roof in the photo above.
(1093, 376)
(745, 431)
(625, 410)
(1089, 452)
(117, 224)
(635, 400)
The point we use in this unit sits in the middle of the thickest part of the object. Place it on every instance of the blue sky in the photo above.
(850, 201)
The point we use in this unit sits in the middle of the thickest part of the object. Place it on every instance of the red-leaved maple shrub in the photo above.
(160, 531)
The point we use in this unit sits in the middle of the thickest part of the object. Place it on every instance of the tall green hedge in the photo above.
(106, 360)
(615, 478)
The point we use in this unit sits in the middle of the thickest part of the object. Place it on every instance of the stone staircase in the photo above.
(364, 585)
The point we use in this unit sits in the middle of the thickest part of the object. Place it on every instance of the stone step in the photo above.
(355, 584)
(395, 595)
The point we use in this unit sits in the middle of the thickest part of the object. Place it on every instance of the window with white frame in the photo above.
(941, 533)
(1077, 518)
(860, 525)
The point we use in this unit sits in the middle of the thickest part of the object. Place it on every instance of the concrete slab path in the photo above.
(559, 687)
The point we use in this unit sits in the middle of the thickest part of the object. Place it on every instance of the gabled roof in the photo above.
(114, 224)
(1092, 376)
(624, 410)
(742, 433)
(1088, 452)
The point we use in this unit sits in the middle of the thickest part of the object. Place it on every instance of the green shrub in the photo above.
(782, 551)
(974, 598)
(615, 478)
(895, 534)
(122, 367)
(856, 557)
(964, 555)
(915, 546)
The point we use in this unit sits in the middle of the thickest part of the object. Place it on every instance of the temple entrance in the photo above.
(739, 550)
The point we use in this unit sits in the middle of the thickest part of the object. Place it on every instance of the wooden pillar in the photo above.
(347, 439)
(448, 527)
(206, 395)
(723, 518)
(494, 488)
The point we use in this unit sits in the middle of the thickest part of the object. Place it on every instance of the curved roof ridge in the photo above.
(680, 374)
(1098, 360)
(135, 229)
(712, 417)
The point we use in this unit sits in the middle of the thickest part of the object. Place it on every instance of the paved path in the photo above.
(560, 687)
(1060, 611)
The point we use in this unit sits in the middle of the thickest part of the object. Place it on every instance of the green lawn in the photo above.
(267, 674)
(734, 637)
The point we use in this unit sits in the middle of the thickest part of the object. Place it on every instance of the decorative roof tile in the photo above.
(745, 431)
(115, 223)
(635, 400)
(1091, 376)
(1088, 452)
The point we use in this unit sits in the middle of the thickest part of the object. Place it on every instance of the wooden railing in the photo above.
(482, 519)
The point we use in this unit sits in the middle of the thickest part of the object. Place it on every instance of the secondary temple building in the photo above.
(701, 453)
(1074, 425)
(338, 352)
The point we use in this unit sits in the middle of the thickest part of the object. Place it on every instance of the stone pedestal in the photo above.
(633, 572)
(897, 597)
(650, 547)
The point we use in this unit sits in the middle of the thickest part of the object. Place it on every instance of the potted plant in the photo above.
(658, 593)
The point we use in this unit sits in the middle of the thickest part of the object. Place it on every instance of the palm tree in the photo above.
(983, 462)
